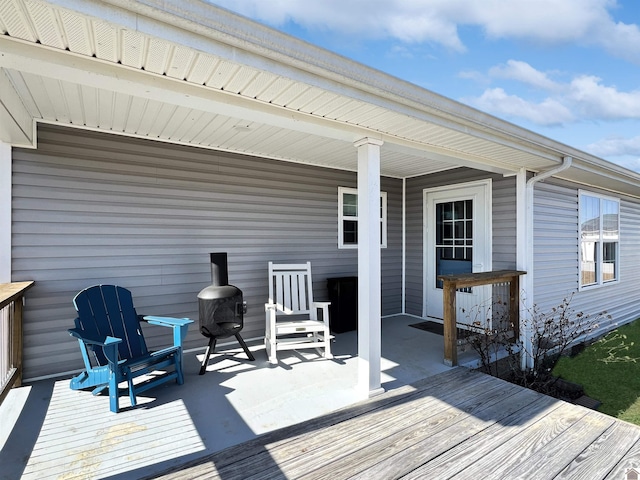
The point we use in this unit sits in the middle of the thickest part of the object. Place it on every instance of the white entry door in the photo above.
(457, 240)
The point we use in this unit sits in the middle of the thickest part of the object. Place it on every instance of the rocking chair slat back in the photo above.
(291, 291)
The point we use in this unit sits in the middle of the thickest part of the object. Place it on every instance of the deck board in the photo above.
(400, 450)
(564, 448)
(596, 459)
(475, 445)
(631, 460)
(458, 423)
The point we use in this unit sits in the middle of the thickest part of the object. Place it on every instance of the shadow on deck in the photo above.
(304, 416)
(458, 424)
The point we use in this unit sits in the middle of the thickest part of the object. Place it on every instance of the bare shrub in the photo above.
(553, 334)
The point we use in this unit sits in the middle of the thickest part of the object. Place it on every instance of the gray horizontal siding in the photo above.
(503, 228)
(504, 223)
(556, 257)
(95, 208)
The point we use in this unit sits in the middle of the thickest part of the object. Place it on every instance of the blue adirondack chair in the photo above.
(113, 346)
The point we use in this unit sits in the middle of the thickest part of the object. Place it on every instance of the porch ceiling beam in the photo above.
(442, 154)
(16, 123)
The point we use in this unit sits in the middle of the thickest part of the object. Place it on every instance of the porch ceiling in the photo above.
(191, 73)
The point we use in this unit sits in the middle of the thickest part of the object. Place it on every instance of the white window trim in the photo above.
(383, 219)
(600, 283)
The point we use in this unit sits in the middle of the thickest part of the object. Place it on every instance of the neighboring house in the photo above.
(138, 136)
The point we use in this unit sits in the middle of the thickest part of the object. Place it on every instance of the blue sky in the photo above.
(567, 69)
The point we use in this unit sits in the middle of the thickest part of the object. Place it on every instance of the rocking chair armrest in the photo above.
(91, 340)
(321, 304)
(324, 306)
(270, 306)
(166, 321)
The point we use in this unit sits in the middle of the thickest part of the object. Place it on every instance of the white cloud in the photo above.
(548, 112)
(410, 22)
(595, 100)
(525, 73)
(402, 51)
(553, 22)
(630, 163)
(619, 39)
(474, 75)
(616, 147)
(584, 98)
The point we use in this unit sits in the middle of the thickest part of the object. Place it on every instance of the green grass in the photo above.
(609, 371)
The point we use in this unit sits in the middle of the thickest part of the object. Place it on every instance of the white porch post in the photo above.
(524, 254)
(5, 212)
(369, 296)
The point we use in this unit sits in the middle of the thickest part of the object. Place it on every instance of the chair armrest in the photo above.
(166, 321)
(269, 306)
(321, 304)
(91, 340)
(109, 345)
(324, 306)
(180, 326)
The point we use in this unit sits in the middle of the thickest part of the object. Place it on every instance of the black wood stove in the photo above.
(221, 309)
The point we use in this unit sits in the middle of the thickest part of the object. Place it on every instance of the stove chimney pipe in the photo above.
(219, 271)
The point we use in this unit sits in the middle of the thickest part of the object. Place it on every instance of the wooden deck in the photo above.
(458, 424)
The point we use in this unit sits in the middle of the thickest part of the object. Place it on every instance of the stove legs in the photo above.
(244, 346)
(211, 347)
(207, 354)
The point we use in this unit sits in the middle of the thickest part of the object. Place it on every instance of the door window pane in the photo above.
(454, 232)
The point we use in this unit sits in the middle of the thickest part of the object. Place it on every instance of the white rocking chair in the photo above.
(292, 315)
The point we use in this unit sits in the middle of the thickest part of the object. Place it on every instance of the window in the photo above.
(599, 239)
(348, 218)
(454, 239)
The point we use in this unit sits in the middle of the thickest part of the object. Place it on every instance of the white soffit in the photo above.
(107, 68)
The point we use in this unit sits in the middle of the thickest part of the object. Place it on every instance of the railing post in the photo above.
(450, 330)
(514, 303)
(16, 340)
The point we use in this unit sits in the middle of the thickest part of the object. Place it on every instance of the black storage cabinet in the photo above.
(343, 311)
